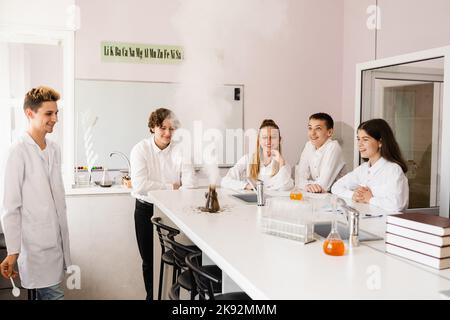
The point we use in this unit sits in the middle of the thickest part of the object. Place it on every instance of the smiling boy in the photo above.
(321, 161)
(34, 217)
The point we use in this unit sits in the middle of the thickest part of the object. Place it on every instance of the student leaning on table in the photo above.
(266, 163)
(321, 161)
(156, 163)
(34, 217)
(381, 180)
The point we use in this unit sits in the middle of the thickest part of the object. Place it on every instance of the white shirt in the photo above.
(46, 157)
(236, 177)
(385, 179)
(156, 169)
(320, 166)
(34, 217)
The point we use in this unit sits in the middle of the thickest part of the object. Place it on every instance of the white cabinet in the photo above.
(103, 244)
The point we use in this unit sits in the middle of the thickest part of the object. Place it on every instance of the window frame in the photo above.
(444, 158)
(66, 39)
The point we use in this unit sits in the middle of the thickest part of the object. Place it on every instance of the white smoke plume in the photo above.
(213, 34)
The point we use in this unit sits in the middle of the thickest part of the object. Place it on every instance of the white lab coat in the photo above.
(385, 179)
(34, 217)
(236, 177)
(320, 166)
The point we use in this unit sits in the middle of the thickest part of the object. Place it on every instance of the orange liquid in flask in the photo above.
(296, 195)
(334, 247)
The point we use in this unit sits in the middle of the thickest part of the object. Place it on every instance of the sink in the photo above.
(323, 230)
(247, 197)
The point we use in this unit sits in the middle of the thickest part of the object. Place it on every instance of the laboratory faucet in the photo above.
(123, 156)
(352, 216)
(259, 190)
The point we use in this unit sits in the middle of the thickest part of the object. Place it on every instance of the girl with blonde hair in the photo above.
(266, 163)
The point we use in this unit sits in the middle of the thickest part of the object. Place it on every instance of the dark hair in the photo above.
(36, 96)
(380, 130)
(158, 116)
(325, 117)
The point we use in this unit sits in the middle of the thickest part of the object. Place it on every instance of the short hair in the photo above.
(158, 116)
(36, 96)
(325, 117)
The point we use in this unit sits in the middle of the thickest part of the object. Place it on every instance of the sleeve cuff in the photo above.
(373, 201)
(242, 185)
(348, 194)
(13, 252)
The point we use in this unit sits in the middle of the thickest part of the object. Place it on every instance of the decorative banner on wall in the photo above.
(140, 53)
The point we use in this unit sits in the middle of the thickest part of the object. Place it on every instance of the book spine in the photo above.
(416, 226)
(414, 256)
(418, 235)
(418, 246)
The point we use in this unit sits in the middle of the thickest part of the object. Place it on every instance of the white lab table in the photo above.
(269, 267)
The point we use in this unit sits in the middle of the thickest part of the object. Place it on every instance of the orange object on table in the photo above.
(334, 247)
(126, 182)
(296, 195)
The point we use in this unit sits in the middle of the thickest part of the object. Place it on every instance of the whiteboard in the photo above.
(122, 109)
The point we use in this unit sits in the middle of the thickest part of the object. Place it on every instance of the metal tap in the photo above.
(260, 193)
(123, 155)
(352, 216)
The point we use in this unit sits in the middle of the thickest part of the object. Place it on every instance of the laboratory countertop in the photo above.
(270, 267)
(96, 190)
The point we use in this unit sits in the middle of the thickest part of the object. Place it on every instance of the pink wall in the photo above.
(307, 66)
(406, 26)
(413, 25)
(358, 46)
(288, 76)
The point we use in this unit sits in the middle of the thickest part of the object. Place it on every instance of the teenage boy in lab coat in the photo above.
(34, 217)
(321, 161)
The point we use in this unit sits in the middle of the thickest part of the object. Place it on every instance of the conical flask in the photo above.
(333, 245)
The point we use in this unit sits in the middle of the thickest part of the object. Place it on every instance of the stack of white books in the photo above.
(420, 237)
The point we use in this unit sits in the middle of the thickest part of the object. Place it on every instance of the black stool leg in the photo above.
(194, 287)
(174, 275)
(161, 276)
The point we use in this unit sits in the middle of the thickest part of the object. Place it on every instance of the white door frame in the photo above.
(65, 38)
(436, 141)
(444, 157)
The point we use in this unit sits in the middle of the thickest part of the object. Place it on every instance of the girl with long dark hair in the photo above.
(380, 180)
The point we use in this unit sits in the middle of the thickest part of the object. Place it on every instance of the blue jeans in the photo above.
(55, 292)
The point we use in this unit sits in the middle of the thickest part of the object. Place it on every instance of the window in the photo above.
(30, 58)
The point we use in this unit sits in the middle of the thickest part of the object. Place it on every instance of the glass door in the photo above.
(412, 109)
